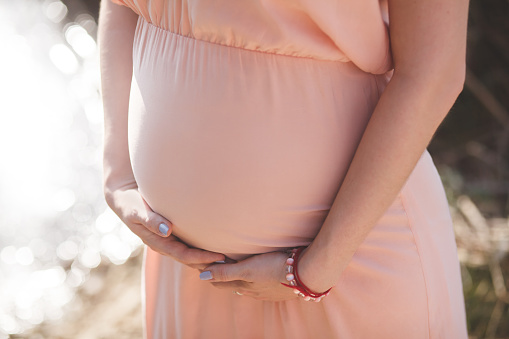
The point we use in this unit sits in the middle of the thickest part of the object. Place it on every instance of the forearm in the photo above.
(397, 134)
(115, 36)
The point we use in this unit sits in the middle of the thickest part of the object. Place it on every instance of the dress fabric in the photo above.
(243, 119)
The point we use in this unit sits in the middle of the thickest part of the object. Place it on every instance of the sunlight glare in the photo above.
(68, 250)
(24, 256)
(82, 43)
(8, 255)
(63, 199)
(63, 59)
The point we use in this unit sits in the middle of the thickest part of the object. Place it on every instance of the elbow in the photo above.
(445, 89)
(451, 87)
(455, 80)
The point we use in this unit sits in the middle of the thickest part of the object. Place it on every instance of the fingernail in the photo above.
(207, 275)
(163, 229)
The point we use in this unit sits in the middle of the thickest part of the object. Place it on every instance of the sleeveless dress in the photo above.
(243, 119)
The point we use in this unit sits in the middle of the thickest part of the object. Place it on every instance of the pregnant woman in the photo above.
(238, 131)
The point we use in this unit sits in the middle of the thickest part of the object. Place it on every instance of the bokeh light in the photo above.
(55, 224)
(55, 11)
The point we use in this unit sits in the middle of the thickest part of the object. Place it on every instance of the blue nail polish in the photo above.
(207, 275)
(163, 228)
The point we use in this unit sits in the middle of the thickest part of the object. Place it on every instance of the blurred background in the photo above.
(70, 269)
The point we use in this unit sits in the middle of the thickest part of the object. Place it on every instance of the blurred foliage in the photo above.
(473, 141)
(482, 303)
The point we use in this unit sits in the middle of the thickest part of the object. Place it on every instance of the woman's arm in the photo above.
(117, 25)
(428, 40)
(116, 29)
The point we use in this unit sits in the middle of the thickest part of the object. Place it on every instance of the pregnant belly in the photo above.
(243, 152)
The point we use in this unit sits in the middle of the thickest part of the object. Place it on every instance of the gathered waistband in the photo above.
(143, 24)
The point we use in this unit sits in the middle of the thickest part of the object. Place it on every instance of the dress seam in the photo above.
(404, 203)
(145, 21)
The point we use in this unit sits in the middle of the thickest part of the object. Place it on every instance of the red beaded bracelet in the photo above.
(295, 283)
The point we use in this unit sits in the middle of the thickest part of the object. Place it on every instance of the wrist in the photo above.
(317, 273)
(294, 282)
(110, 191)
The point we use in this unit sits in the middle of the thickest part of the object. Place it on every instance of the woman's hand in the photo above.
(258, 277)
(154, 230)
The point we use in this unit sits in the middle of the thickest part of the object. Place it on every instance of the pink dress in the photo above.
(244, 116)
